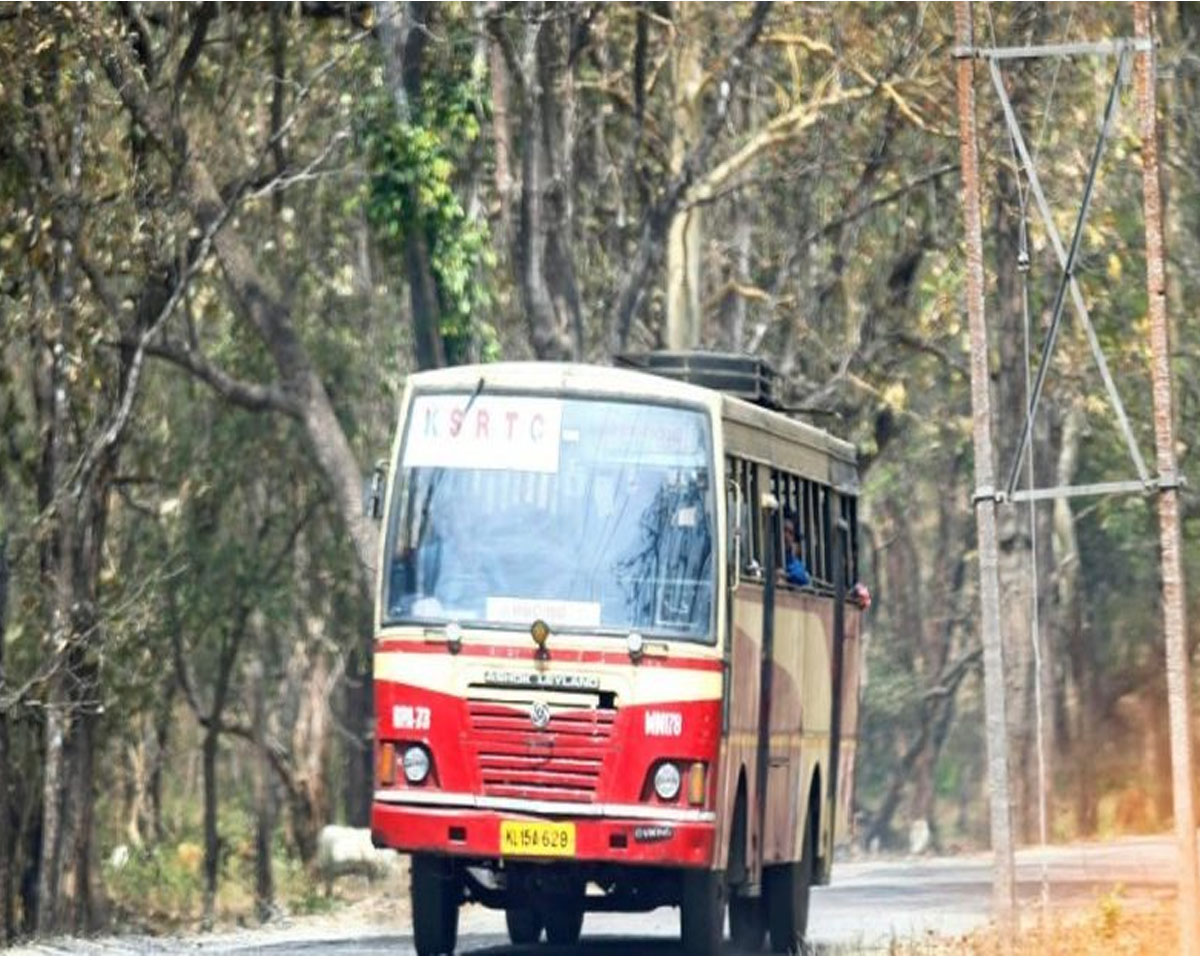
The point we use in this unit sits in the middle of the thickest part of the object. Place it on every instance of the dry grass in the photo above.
(1111, 927)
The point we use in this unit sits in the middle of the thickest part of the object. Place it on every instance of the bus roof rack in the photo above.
(746, 377)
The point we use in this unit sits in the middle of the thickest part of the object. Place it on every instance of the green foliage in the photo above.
(310, 898)
(412, 162)
(162, 885)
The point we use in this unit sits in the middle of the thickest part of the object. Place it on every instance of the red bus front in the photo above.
(585, 754)
(547, 674)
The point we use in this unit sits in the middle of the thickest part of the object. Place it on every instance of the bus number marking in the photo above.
(663, 723)
(405, 717)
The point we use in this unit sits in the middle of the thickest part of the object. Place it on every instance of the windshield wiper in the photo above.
(437, 477)
(478, 391)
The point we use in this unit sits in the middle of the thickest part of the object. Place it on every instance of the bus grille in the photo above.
(560, 761)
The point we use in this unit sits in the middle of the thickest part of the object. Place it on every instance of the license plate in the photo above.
(537, 839)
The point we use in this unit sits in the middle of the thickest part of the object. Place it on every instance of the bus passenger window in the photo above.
(754, 539)
(808, 517)
(745, 475)
(849, 513)
(791, 562)
(734, 508)
(827, 533)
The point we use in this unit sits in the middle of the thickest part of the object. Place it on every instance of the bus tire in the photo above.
(747, 924)
(524, 926)
(434, 905)
(702, 912)
(563, 925)
(788, 889)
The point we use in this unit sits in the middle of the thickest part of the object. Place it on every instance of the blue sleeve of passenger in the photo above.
(796, 572)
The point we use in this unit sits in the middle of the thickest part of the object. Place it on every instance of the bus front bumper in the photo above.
(470, 827)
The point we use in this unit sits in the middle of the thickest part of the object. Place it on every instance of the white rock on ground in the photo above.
(348, 851)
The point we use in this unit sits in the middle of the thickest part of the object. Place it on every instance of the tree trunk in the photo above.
(501, 137)
(932, 631)
(264, 819)
(923, 791)
(880, 827)
(6, 845)
(544, 261)
(310, 747)
(424, 302)
(212, 840)
(742, 242)
(1049, 648)
(556, 57)
(162, 736)
(1065, 624)
(57, 711)
(685, 235)
(259, 298)
(1156, 762)
(943, 720)
(657, 219)
(359, 748)
(261, 301)
(85, 798)
(91, 517)
(403, 34)
(1086, 738)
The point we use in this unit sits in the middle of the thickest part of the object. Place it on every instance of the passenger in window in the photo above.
(861, 595)
(793, 567)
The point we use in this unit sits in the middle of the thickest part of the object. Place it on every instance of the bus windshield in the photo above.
(592, 515)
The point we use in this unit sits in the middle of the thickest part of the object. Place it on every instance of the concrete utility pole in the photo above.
(1174, 609)
(1004, 889)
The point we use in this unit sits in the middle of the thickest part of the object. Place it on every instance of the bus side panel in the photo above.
(801, 713)
(738, 748)
(801, 709)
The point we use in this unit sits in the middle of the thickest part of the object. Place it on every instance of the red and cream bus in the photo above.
(596, 686)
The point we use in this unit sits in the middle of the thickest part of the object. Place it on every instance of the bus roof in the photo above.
(619, 381)
(567, 377)
(788, 428)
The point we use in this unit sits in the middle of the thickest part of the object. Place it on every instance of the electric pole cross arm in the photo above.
(1103, 48)
(1103, 488)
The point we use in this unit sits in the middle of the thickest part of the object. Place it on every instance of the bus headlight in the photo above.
(667, 781)
(416, 764)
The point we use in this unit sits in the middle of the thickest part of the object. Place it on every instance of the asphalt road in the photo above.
(870, 904)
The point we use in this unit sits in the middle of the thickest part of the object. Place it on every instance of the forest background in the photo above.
(228, 233)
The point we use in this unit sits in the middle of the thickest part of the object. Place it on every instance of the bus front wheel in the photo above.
(563, 926)
(435, 904)
(524, 925)
(702, 911)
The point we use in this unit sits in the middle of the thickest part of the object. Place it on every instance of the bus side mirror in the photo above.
(373, 488)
